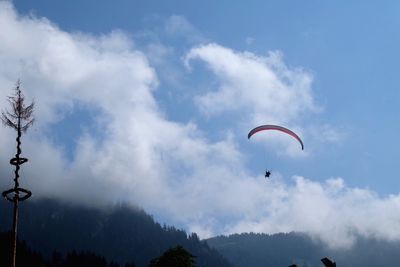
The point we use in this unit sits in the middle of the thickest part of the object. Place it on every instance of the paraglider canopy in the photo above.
(277, 128)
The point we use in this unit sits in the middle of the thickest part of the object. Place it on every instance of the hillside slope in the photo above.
(255, 250)
(122, 234)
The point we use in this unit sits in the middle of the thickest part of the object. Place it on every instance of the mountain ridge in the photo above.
(283, 249)
(121, 234)
(126, 234)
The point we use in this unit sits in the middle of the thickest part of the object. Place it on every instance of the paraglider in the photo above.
(277, 128)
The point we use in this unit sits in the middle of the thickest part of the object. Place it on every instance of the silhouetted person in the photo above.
(328, 263)
(267, 174)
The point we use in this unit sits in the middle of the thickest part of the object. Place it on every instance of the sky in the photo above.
(150, 102)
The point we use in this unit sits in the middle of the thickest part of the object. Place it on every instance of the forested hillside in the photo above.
(127, 235)
(254, 250)
(121, 234)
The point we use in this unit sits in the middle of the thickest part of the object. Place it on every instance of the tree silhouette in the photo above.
(328, 263)
(20, 119)
(174, 257)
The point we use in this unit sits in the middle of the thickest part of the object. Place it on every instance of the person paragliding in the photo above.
(276, 128)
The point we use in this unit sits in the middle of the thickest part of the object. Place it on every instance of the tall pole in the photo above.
(14, 236)
(16, 194)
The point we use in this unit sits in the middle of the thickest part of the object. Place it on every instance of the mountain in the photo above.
(121, 234)
(256, 250)
(127, 235)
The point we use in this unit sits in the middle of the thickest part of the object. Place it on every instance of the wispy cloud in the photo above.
(179, 26)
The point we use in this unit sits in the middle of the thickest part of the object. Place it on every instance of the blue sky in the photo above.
(151, 102)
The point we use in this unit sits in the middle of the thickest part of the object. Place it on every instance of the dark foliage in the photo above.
(122, 235)
(251, 250)
(174, 257)
(248, 250)
(27, 257)
(328, 263)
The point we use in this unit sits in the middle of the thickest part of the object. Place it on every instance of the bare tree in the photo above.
(20, 119)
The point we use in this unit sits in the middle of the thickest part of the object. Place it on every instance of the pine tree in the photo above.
(174, 257)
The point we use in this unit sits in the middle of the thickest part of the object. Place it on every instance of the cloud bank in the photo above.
(329, 211)
(136, 154)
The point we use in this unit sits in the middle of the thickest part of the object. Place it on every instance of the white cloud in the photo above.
(256, 90)
(263, 88)
(166, 167)
(331, 212)
(143, 158)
